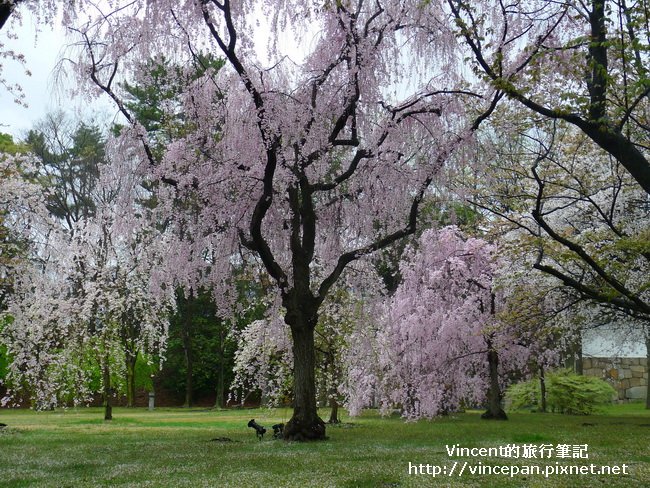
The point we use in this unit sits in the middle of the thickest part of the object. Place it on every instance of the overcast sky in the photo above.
(42, 94)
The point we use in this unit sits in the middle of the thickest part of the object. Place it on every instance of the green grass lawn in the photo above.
(174, 447)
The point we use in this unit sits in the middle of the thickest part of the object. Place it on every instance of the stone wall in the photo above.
(629, 376)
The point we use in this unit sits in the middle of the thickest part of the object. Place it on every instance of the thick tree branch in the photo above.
(607, 135)
(411, 224)
(257, 242)
(6, 9)
(620, 302)
(597, 61)
(584, 256)
(398, 115)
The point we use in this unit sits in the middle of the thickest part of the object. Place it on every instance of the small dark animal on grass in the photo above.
(278, 431)
(259, 430)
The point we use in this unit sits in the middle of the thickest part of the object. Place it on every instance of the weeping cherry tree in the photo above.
(312, 147)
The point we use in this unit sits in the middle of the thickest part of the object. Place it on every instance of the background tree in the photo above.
(442, 343)
(68, 155)
(190, 343)
(13, 189)
(200, 355)
(584, 63)
(9, 146)
(578, 215)
(21, 206)
(336, 322)
(263, 363)
(543, 315)
(25, 218)
(84, 308)
(200, 345)
(156, 101)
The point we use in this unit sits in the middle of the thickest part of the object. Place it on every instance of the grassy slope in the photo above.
(169, 448)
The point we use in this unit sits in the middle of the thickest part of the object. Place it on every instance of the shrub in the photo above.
(566, 392)
(524, 395)
(577, 394)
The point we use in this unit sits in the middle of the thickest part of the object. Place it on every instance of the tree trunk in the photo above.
(333, 394)
(647, 369)
(189, 386)
(131, 359)
(542, 389)
(187, 352)
(334, 412)
(107, 390)
(494, 410)
(305, 424)
(579, 361)
(221, 372)
(573, 359)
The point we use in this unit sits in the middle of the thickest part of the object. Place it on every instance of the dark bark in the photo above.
(620, 147)
(647, 368)
(608, 135)
(597, 62)
(189, 364)
(185, 308)
(334, 412)
(305, 424)
(129, 332)
(542, 389)
(221, 371)
(107, 392)
(494, 410)
(5, 12)
(131, 359)
(331, 369)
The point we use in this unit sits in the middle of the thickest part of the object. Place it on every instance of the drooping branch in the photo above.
(107, 87)
(630, 300)
(398, 115)
(229, 51)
